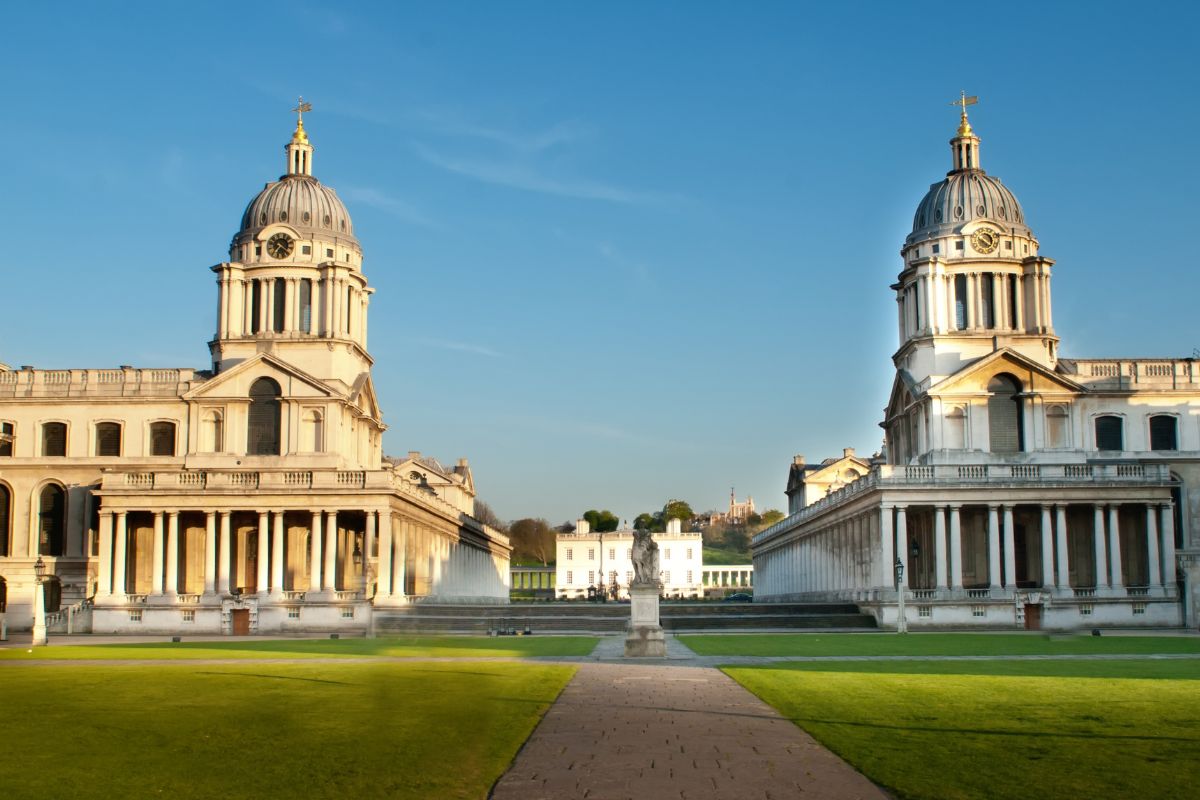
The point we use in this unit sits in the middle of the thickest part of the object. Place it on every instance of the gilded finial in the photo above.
(964, 126)
(300, 135)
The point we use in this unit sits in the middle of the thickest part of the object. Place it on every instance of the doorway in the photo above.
(1033, 617)
(240, 619)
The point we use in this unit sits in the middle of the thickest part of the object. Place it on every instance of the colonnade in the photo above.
(333, 305)
(738, 576)
(1019, 301)
(835, 557)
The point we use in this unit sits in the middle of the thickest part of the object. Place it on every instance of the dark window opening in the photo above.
(54, 439)
(1164, 433)
(52, 507)
(960, 302)
(265, 413)
(255, 306)
(7, 439)
(1110, 433)
(162, 438)
(1006, 429)
(280, 310)
(306, 305)
(1012, 301)
(108, 439)
(5, 512)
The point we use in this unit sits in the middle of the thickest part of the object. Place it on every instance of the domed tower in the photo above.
(293, 285)
(972, 281)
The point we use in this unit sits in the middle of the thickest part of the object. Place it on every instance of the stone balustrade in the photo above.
(1168, 373)
(123, 382)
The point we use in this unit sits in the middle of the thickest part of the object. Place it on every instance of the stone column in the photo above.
(939, 545)
(1047, 547)
(1020, 293)
(1064, 566)
(210, 553)
(998, 302)
(120, 552)
(1114, 546)
(105, 578)
(223, 556)
(369, 548)
(902, 543)
(263, 560)
(1101, 555)
(400, 559)
(956, 548)
(969, 305)
(331, 550)
(886, 555)
(172, 588)
(384, 568)
(1168, 548)
(277, 552)
(1010, 550)
(994, 547)
(156, 566)
(1152, 546)
(314, 542)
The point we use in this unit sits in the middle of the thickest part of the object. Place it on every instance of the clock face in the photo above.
(984, 240)
(280, 246)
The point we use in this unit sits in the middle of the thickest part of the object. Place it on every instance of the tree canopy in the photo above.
(601, 521)
(533, 541)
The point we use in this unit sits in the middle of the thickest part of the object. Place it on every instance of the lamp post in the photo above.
(901, 622)
(39, 603)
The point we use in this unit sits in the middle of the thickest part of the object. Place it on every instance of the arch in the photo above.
(262, 430)
(1057, 423)
(1164, 432)
(1110, 432)
(108, 439)
(1006, 428)
(956, 428)
(212, 431)
(54, 438)
(52, 520)
(5, 520)
(162, 438)
(314, 431)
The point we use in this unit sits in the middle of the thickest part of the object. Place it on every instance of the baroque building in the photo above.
(1019, 488)
(250, 497)
(585, 558)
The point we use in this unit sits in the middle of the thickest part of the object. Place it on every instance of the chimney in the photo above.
(798, 461)
(847, 452)
(462, 462)
(674, 526)
(414, 454)
(582, 526)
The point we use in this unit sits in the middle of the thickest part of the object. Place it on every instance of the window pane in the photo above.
(162, 439)
(1109, 433)
(51, 519)
(5, 506)
(1163, 433)
(108, 439)
(263, 432)
(54, 439)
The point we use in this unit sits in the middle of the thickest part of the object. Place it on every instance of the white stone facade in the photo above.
(585, 558)
(251, 497)
(1020, 489)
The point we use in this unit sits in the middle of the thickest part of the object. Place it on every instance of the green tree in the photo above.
(677, 509)
(771, 516)
(643, 522)
(601, 521)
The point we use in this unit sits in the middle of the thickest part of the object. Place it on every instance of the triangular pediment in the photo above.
(904, 391)
(236, 382)
(363, 396)
(1033, 376)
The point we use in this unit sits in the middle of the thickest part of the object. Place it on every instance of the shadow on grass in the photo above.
(276, 677)
(1101, 669)
(1023, 734)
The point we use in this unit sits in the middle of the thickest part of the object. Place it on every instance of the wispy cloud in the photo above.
(519, 175)
(560, 133)
(397, 207)
(461, 347)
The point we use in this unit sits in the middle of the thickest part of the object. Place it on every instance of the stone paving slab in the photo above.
(640, 730)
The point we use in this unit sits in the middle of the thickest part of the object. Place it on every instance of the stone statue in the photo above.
(645, 559)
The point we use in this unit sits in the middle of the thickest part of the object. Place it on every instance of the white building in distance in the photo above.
(252, 496)
(1020, 489)
(588, 559)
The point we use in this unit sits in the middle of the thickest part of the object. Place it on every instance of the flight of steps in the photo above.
(612, 617)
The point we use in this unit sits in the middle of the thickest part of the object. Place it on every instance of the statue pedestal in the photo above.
(645, 638)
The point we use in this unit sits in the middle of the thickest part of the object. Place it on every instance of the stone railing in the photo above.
(125, 381)
(899, 476)
(188, 599)
(207, 480)
(1126, 373)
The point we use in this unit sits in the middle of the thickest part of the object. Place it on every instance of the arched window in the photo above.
(1006, 432)
(52, 519)
(212, 432)
(162, 438)
(52, 594)
(108, 439)
(5, 518)
(314, 431)
(960, 302)
(306, 305)
(1164, 432)
(1110, 433)
(956, 428)
(54, 439)
(265, 411)
(279, 315)
(1056, 427)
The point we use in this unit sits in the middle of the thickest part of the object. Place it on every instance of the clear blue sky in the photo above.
(623, 252)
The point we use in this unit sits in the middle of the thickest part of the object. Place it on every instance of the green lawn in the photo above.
(1000, 729)
(714, 555)
(402, 647)
(397, 730)
(934, 644)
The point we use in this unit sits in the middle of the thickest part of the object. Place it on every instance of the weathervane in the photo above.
(303, 106)
(964, 127)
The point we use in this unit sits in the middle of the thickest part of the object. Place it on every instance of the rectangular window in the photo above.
(306, 249)
(7, 439)
(293, 612)
(1139, 608)
(667, 554)
(689, 577)
(689, 555)
(612, 554)
(960, 302)
(54, 439)
(958, 245)
(1109, 433)
(1163, 433)
(924, 611)
(1011, 280)
(306, 305)
(591, 577)
(280, 302)
(328, 253)
(628, 577)
(937, 248)
(629, 552)
(135, 616)
(1085, 610)
(570, 577)
(570, 557)
(108, 439)
(162, 438)
(591, 554)
(189, 615)
(255, 305)
(348, 613)
(666, 576)
(978, 611)
(986, 298)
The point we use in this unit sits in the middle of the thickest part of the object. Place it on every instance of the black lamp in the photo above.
(39, 570)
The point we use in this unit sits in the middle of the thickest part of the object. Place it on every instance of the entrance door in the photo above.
(241, 621)
(1033, 617)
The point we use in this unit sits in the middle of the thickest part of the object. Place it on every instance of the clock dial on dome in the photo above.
(985, 240)
(280, 246)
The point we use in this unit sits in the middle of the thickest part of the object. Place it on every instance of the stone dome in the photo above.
(302, 202)
(966, 196)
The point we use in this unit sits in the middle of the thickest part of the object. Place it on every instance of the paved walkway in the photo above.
(652, 729)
